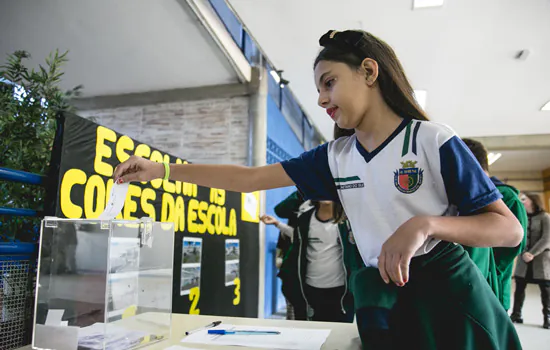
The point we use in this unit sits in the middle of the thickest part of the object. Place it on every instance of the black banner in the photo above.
(216, 258)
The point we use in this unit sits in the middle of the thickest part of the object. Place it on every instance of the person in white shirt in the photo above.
(315, 278)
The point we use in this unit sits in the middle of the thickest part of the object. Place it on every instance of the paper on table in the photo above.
(177, 347)
(116, 201)
(289, 338)
(108, 336)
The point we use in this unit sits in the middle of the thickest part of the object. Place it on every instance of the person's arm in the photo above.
(284, 228)
(310, 172)
(229, 177)
(484, 220)
(544, 242)
(492, 226)
(504, 257)
(278, 258)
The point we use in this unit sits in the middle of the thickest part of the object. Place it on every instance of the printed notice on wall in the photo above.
(190, 264)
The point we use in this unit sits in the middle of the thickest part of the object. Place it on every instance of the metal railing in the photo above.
(17, 273)
(25, 178)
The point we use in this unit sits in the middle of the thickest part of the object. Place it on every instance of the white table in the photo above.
(343, 336)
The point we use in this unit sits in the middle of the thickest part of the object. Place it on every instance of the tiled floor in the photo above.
(531, 333)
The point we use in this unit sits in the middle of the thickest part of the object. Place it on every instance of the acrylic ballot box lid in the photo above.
(95, 277)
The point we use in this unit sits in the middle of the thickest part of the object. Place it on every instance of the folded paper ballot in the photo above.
(94, 337)
(116, 201)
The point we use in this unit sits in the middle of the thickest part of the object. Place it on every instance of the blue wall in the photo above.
(282, 144)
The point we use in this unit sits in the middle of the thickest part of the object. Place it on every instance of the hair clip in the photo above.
(347, 41)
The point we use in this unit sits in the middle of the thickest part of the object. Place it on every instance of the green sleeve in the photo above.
(504, 257)
(289, 206)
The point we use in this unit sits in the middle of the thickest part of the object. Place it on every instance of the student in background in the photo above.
(497, 264)
(314, 276)
(534, 264)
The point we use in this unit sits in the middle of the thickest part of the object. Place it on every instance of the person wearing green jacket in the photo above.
(313, 273)
(497, 264)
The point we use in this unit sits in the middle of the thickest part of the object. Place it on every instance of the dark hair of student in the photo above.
(353, 46)
(337, 210)
(537, 202)
(479, 151)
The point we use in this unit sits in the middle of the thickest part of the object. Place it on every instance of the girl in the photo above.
(396, 178)
(534, 264)
(314, 276)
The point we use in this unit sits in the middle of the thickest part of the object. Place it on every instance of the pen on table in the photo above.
(213, 324)
(242, 331)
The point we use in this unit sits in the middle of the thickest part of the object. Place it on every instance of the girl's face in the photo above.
(345, 93)
(527, 203)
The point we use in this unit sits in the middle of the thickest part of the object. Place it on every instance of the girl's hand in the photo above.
(138, 169)
(398, 250)
(269, 220)
(527, 257)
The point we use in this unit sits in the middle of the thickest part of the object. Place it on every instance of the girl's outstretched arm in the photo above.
(228, 177)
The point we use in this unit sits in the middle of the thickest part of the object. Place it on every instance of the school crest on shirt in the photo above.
(409, 178)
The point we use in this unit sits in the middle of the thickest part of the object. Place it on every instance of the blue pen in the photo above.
(245, 332)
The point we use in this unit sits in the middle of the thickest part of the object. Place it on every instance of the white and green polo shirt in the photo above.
(423, 168)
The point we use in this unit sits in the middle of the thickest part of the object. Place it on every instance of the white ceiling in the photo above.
(524, 160)
(462, 54)
(118, 46)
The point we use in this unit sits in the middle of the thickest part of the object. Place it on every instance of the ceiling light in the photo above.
(417, 4)
(493, 157)
(420, 97)
(546, 107)
(278, 77)
(275, 75)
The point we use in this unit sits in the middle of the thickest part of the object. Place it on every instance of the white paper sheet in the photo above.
(54, 317)
(290, 338)
(116, 201)
(177, 347)
(251, 204)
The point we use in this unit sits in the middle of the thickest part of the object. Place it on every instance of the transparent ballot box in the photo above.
(103, 284)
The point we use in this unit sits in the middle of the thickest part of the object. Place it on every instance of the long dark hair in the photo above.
(537, 202)
(337, 210)
(353, 46)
